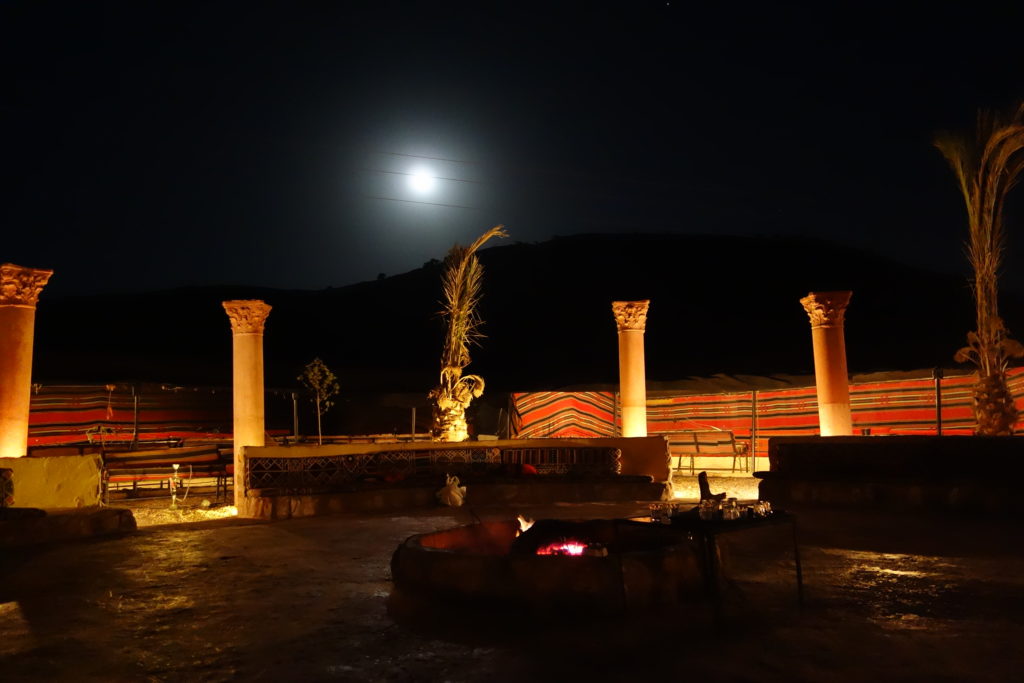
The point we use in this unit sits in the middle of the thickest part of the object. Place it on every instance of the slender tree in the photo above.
(322, 386)
(461, 282)
(987, 168)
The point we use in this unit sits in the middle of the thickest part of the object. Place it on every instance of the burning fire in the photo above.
(563, 548)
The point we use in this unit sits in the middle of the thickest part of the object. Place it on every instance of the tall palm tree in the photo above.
(461, 282)
(986, 169)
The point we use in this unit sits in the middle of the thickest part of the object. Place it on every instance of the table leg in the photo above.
(711, 573)
(799, 569)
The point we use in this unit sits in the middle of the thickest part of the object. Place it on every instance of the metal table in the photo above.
(706, 532)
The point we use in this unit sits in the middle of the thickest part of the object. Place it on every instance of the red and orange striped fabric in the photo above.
(904, 406)
(563, 414)
(105, 414)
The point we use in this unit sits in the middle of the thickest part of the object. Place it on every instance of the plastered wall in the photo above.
(55, 482)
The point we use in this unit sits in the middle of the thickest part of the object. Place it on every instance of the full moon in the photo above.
(421, 181)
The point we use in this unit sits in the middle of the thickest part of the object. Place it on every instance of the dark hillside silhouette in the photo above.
(718, 305)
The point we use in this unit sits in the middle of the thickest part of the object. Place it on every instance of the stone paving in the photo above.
(890, 598)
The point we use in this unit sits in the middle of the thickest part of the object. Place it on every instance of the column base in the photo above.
(835, 419)
(634, 421)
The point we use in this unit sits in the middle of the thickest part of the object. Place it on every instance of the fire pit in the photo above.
(606, 565)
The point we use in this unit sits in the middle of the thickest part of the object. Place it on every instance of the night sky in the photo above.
(155, 145)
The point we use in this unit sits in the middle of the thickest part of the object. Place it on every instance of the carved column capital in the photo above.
(247, 315)
(631, 315)
(20, 286)
(826, 309)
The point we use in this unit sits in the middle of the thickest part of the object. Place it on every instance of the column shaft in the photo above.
(827, 312)
(631, 319)
(633, 383)
(19, 292)
(247, 320)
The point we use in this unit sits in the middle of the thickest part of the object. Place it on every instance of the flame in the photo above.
(563, 548)
(524, 524)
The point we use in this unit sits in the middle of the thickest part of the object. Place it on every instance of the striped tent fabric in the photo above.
(707, 412)
(904, 406)
(578, 414)
(877, 408)
(105, 414)
(909, 407)
(786, 412)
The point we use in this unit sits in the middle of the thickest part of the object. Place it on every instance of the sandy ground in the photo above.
(889, 598)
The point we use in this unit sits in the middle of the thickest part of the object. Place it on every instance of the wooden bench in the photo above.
(721, 444)
(196, 462)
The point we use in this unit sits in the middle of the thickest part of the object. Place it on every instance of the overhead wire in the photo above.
(423, 156)
(415, 201)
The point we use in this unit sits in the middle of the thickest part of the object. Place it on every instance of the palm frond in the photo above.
(986, 169)
(461, 285)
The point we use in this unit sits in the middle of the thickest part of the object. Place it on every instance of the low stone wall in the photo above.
(641, 456)
(523, 490)
(644, 475)
(67, 481)
(928, 473)
(27, 526)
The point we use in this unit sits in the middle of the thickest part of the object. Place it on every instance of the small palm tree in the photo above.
(986, 170)
(461, 282)
(322, 386)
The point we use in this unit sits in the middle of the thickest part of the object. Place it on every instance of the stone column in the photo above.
(19, 292)
(827, 311)
(631, 319)
(247, 319)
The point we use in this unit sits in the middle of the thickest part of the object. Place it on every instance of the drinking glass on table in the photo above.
(655, 512)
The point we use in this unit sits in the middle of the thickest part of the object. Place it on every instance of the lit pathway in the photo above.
(742, 488)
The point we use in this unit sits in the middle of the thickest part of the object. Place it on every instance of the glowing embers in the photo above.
(563, 546)
(573, 548)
